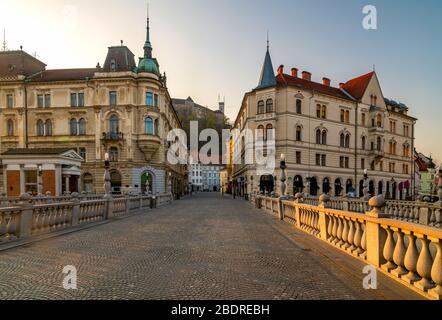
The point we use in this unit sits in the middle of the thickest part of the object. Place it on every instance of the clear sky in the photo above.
(210, 47)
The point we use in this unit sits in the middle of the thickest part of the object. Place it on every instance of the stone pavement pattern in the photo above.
(203, 247)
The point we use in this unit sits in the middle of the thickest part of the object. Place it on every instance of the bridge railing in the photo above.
(408, 251)
(28, 217)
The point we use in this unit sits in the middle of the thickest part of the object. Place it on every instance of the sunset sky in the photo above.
(210, 47)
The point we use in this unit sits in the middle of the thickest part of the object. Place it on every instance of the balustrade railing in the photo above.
(390, 235)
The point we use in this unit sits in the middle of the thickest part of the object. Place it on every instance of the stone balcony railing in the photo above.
(409, 252)
(29, 216)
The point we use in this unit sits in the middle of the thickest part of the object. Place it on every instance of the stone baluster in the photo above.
(399, 254)
(357, 238)
(436, 270)
(344, 238)
(339, 232)
(351, 235)
(330, 222)
(389, 250)
(364, 243)
(424, 264)
(410, 260)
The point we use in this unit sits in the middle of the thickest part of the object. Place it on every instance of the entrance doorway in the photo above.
(115, 181)
(266, 184)
(146, 182)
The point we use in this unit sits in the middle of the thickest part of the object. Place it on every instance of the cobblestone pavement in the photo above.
(203, 247)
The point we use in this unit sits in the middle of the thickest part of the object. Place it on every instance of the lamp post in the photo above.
(307, 184)
(107, 179)
(365, 189)
(40, 181)
(440, 185)
(283, 176)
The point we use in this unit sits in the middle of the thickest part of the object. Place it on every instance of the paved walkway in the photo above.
(203, 247)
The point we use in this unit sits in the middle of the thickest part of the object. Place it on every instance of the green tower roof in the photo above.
(147, 63)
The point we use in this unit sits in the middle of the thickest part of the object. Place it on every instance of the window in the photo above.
(73, 127)
(323, 160)
(392, 167)
(342, 115)
(260, 133)
(298, 157)
(113, 65)
(341, 162)
(362, 163)
(77, 99)
(149, 99)
(318, 111)
(112, 98)
(324, 112)
(113, 154)
(393, 147)
(381, 166)
(298, 106)
(40, 128)
(347, 141)
(82, 127)
(364, 142)
(269, 132)
(114, 124)
(363, 119)
(40, 101)
(9, 101)
(324, 137)
(379, 121)
(298, 133)
(269, 106)
(379, 143)
(31, 181)
(344, 162)
(47, 100)
(347, 162)
(405, 168)
(318, 159)
(48, 128)
(318, 136)
(261, 107)
(82, 153)
(148, 126)
(392, 126)
(406, 130)
(342, 140)
(43, 100)
(347, 116)
(10, 127)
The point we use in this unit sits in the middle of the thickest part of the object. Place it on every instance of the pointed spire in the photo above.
(4, 48)
(147, 45)
(267, 78)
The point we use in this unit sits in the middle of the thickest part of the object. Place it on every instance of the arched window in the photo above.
(298, 133)
(148, 126)
(347, 141)
(269, 106)
(114, 124)
(156, 127)
(82, 127)
(10, 127)
(261, 132)
(298, 106)
(48, 128)
(324, 137)
(73, 127)
(379, 143)
(40, 128)
(379, 121)
(342, 140)
(261, 107)
(318, 136)
(269, 132)
(364, 141)
(113, 154)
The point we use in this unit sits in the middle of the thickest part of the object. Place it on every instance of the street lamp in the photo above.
(40, 182)
(365, 189)
(107, 179)
(283, 176)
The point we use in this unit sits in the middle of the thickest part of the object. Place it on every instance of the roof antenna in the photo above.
(268, 40)
(121, 41)
(374, 67)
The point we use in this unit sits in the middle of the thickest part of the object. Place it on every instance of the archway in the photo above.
(115, 181)
(380, 187)
(314, 186)
(147, 182)
(266, 184)
(298, 185)
(371, 188)
(338, 187)
(361, 188)
(349, 186)
(326, 186)
(393, 190)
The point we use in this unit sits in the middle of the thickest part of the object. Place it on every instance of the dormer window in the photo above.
(113, 65)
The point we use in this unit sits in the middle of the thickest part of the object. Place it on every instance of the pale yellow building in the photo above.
(329, 135)
(122, 108)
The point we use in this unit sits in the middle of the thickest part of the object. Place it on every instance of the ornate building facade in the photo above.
(122, 108)
(329, 135)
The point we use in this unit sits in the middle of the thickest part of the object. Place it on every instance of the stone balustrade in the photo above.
(389, 235)
(29, 216)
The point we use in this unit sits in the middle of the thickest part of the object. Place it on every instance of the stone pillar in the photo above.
(66, 182)
(75, 209)
(375, 234)
(25, 224)
(323, 205)
(298, 200)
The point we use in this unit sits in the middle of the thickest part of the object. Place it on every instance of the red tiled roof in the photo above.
(285, 79)
(64, 75)
(357, 86)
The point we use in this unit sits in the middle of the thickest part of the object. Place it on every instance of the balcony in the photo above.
(266, 116)
(375, 129)
(112, 136)
(149, 144)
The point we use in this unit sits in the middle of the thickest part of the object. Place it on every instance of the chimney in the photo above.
(326, 82)
(306, 75)
(294, 72)
(341, 85)
(281, 69)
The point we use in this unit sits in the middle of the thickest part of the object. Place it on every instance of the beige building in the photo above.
(122, 108)
(329, 135)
